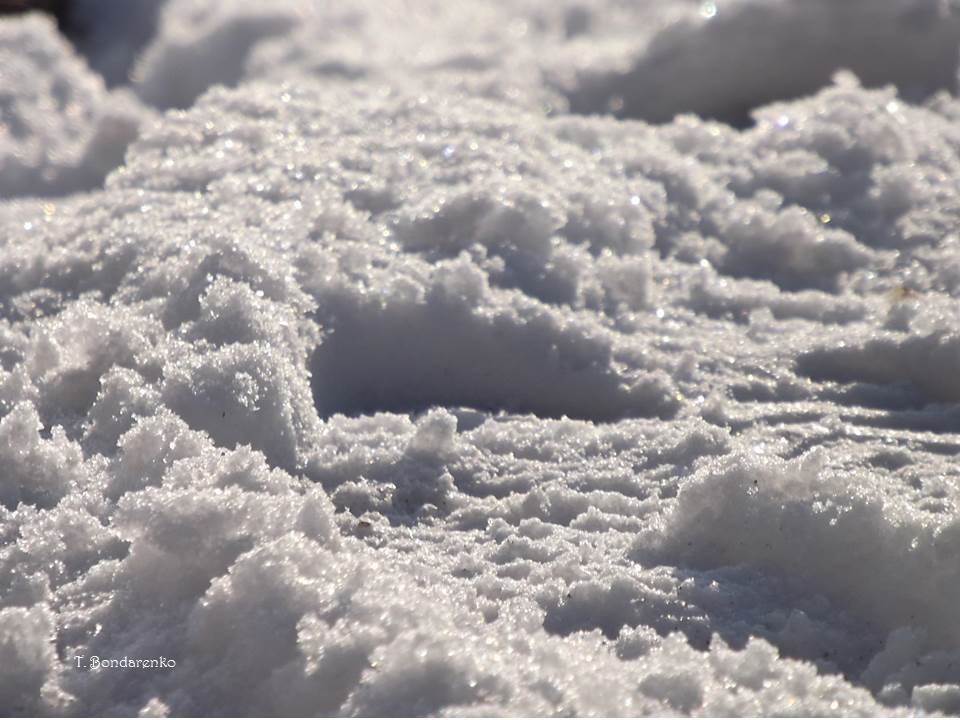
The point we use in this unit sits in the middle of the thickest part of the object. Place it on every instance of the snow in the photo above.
(62, 131)
(385, 358)
(730, 57)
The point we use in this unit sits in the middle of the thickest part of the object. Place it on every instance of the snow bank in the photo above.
(840, 537)
(728, 57)
(643, 60)
(381, 384)
(925, 362)
(199, 44)
(62, 131)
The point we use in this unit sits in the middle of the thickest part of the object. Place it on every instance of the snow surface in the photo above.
(409, 375)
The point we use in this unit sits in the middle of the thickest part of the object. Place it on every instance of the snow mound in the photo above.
(725, 58)
(61, 130)
(642, 60)
(925, 362)
(201, 44)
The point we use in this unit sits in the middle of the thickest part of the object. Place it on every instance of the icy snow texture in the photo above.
(379, 384)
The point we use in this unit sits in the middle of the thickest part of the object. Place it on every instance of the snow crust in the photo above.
(382, 383)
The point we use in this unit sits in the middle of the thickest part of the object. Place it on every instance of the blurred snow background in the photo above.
(515, 357)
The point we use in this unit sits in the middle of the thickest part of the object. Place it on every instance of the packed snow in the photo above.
(417, 357)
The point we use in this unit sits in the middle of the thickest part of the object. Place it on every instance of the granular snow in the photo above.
(382, 384)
